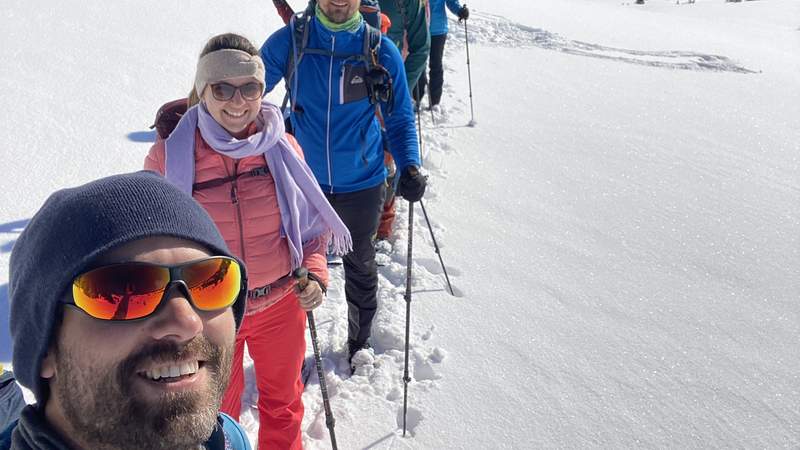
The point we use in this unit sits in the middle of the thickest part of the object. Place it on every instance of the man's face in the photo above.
(339, 11)
(102, 391)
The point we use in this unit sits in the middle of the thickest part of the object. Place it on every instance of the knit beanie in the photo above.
(73, 228)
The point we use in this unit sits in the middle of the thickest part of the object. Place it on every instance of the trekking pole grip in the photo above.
(301, 275)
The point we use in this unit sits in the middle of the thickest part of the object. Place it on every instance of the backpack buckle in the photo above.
(259, 292)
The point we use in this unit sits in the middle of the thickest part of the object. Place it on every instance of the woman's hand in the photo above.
(311, 296)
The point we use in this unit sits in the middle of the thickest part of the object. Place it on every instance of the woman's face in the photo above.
(237, 113)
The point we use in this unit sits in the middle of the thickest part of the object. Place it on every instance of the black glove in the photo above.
(412, 184)
(463, 13)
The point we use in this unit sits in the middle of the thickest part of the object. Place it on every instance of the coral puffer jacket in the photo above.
(248, 217)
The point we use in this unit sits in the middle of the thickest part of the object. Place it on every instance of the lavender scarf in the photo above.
(305, 212)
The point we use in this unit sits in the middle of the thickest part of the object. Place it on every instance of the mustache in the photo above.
(159, 352)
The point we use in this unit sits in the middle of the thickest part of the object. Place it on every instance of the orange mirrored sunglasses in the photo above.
(134, 290)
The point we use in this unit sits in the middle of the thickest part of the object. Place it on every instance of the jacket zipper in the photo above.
(235, 201)
(328, 124)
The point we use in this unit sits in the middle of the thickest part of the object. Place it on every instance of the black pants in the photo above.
(360, 211)
(437, 72)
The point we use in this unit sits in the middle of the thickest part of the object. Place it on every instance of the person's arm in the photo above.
(399, 117)
(419, 41)
(284, 10)
(315, 259)
(452, 5)
(275, 53)
(295, 146)
(155, 161)
(312, 295)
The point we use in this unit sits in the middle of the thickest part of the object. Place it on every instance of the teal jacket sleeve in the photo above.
(419, 41)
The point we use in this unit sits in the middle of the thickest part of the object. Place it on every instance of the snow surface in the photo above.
(620, 227)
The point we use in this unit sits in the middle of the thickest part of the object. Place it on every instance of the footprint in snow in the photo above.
(412, 419)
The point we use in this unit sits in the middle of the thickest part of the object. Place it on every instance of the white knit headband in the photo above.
(227, 63)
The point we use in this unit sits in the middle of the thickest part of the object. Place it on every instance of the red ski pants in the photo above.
(276, 341)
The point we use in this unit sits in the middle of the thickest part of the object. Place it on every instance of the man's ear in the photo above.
(48, 369)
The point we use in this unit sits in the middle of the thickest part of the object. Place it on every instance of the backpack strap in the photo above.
(168, 116)
(299, 24)
(234, 435)
(380, 86)
(216, 182)
(380, 90)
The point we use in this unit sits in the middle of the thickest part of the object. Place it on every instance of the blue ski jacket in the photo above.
(438, 25)
(332, 118)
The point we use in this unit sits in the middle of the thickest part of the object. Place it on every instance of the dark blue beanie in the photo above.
(73, 228)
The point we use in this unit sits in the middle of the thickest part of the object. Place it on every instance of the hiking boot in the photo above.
(359, 355)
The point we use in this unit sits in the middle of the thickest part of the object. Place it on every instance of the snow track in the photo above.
(497, 30)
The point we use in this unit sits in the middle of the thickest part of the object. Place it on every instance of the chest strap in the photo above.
(217, 182)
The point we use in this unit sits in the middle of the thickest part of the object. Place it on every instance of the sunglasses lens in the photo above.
(251, 91)
(214, 283)
(120, 292)
(222, 91)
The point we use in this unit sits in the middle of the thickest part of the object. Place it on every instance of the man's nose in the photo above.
(176, 318)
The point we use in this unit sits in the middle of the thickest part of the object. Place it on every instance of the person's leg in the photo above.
(419, 90)
(388, 213)
(437, 70)
(387, 219)
(277, 346)
(232, 399)
(360, 211)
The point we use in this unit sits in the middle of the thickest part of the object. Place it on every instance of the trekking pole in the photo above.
(301, 275)
(430, 105)
(436, 247)
(407, 296)
(419, 130)
(469, 76)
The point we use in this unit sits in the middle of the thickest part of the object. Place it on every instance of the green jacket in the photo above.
(411, 29)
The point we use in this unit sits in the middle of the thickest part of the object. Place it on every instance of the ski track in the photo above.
(489, 29)
(378, 381)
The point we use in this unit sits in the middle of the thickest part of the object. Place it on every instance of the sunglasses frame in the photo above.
(235, 89)
(175, 277)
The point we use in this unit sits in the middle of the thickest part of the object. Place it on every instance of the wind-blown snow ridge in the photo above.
(497, 30)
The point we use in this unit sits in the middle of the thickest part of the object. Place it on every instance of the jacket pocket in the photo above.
(353, 83)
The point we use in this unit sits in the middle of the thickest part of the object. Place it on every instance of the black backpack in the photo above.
(377, 80)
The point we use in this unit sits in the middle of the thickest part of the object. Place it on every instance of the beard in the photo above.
(104, 410)
(339, 15)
